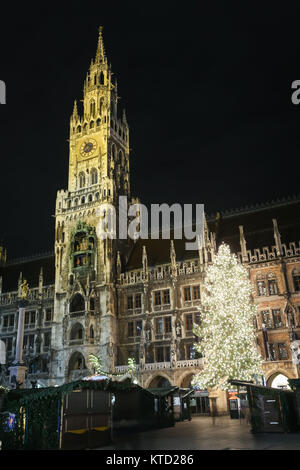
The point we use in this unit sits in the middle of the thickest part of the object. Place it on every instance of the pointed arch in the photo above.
(81, 180)
(159, 380)
(76, 362)
(94, 176)
(274, 374)
(77, 303)
(121, 158)
(101, 106)
(77, 332)
(114, 152)
(296, 278)
(92, 107)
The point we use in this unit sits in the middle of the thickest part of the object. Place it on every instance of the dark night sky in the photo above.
(207, 91)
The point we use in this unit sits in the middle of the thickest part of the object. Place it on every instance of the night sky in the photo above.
(207, 92)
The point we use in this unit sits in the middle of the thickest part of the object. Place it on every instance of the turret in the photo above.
(243, 244)
(3, 255)
(277, 238)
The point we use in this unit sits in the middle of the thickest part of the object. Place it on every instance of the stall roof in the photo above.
(104, 384)
(262, 387)
(184, 392)
(162, 392)
(101, 383)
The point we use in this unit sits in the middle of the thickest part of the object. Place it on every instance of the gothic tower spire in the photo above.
(100, 54)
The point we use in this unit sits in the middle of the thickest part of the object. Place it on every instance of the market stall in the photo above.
(271, 409)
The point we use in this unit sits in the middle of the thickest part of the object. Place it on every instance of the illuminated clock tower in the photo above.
(85, 300)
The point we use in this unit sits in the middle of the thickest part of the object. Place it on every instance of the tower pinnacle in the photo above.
(100, 54)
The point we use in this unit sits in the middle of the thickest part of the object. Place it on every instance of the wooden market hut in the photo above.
(164, 405)
(182, 404)
(271, 409)
(84, 414)
(141, 409)
(76, 415)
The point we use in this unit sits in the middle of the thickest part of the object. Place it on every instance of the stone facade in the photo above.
(119, 299)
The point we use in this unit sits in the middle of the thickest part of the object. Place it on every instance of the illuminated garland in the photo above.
(97, 366)
(226, 331)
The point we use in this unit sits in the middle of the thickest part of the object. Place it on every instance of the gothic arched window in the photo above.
(113, 152)
(261, 285)
(101, 106)
(92, 108)
(77, 303)
(101, 78)
(272, 284)
(81, 180)
(76, 362)
(94, 176)
(296, 279)
(76, 332)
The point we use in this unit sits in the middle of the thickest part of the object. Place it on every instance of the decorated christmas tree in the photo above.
(226, 329)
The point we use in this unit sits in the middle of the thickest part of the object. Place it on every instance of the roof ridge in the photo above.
(256, 207)
(24, 259)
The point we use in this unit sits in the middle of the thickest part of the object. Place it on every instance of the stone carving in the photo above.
(295, 348)
(24, 289)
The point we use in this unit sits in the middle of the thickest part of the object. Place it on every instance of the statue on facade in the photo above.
(110, 349)
(173, 355)
(24, 290)
(178, 329)
(148, 335)
(290, 318)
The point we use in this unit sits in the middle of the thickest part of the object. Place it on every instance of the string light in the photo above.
(226, 330)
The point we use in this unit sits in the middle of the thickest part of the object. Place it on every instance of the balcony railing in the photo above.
(164, 365)
(191, 363)
(75, 342)
(160, 272)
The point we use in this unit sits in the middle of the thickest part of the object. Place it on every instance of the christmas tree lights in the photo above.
(226, 331)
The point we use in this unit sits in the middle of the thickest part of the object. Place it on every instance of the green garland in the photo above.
(97, 366)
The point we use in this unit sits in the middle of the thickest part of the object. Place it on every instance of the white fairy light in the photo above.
(226, 331)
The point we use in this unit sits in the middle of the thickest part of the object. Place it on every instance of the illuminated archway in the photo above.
(278, 381)
(186, 381)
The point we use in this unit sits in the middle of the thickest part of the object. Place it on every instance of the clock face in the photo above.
(88, 147)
